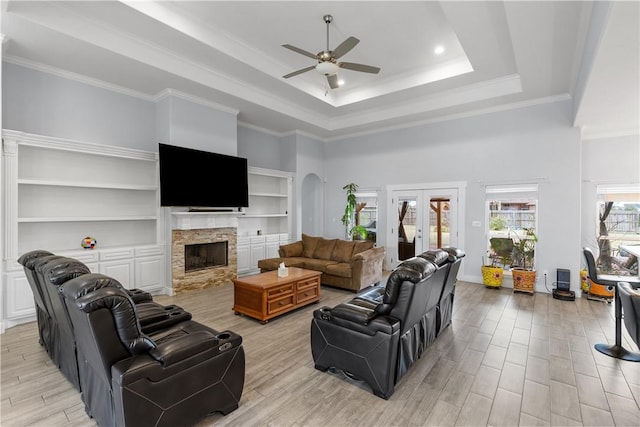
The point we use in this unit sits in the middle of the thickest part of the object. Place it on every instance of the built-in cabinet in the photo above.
(266, 223)
(59, 191)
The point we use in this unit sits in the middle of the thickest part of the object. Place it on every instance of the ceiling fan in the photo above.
(327, 59)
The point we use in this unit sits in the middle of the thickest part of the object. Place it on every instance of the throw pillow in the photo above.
(342, 251)
(324, 248)
(291, 250)
(309, 245)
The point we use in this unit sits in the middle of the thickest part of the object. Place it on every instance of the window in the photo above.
(367, 212)
(512, 221)
(617, 225)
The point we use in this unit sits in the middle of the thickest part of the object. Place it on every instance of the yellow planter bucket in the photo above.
(584, 282)
(492, 276)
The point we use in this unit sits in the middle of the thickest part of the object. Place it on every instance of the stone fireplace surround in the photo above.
(202, 227)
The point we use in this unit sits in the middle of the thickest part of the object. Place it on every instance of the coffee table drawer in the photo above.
(279, 291)
(276, 305)
(308, 294)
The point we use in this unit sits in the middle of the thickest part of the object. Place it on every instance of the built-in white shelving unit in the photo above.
(266, 223)
(59, 191)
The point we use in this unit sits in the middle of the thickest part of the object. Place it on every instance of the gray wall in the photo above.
(50, 105)
(535, 144)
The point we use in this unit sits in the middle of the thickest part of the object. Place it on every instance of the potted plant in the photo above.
(351, 227)
(524, 275)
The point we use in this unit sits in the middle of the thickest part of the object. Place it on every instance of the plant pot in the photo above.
(492, 276)
(523, 280)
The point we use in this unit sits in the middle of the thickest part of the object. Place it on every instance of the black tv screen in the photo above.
(201, 179)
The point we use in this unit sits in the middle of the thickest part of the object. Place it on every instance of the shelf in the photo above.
(263, 216)
(76, 184)
(268, 195)
(87, 219)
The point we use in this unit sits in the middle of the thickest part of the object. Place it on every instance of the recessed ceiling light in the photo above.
(438, 50)
(340, 82)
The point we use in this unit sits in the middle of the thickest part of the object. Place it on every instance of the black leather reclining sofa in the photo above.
(378, 335)
(134, 361)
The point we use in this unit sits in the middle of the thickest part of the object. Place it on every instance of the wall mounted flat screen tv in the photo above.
(201, 179)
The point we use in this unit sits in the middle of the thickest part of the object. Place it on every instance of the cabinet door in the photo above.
(19, 302)
(272, 249)
(121, 270)
(244, 258)
(149, 273)
(257, 253)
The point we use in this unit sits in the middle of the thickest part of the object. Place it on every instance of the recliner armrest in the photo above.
(180, 348)
(354, 313)
(350, 319)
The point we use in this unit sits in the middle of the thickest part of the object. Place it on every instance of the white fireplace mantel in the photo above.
(199, 220)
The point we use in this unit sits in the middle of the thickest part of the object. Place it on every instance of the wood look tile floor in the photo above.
(507, 359)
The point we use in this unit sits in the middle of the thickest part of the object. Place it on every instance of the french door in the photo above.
(422, 219)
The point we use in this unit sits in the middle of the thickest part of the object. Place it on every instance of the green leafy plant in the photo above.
(348, 218)
(525, 246)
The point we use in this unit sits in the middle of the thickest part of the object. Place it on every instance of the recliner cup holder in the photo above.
(223, 336)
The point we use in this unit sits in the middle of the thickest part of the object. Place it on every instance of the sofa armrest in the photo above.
(366, 267)
(180, 348)
(291, 250)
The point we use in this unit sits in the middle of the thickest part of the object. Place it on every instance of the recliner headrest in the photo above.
(63, 269)
(455, 252)
(28, 259)
(40, 263)
(411, 270)
(123, 311)
(436, 256)
(88, 283)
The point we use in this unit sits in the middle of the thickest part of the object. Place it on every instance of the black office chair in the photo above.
(608, 280)
(627, 306)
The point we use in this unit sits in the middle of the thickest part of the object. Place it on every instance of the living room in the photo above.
(540, 142)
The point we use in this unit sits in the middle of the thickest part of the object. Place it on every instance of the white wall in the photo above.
(536, 144)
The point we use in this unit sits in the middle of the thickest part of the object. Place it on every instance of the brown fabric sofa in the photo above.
(351, 265)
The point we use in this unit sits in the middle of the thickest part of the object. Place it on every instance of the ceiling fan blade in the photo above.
(300, 51)
(303, 70)
(345, 47)
(359, 67)
(333, 81)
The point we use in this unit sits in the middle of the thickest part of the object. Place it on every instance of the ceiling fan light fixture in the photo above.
(327, 68)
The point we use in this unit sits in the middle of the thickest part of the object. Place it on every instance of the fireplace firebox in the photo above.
(202, 256)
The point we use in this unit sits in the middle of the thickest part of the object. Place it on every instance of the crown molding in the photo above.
(195, 99)
(54, 143)
(76, 77)
(588, 135)
(467, 114)
(260, 129)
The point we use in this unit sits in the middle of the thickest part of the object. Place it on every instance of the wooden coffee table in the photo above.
(265, 295)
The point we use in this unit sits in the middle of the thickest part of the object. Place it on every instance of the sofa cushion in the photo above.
(317, 264)
(362, 245)
(291, 249)
(341, 269)
(324, 248)
(343, 251)
(309, 244)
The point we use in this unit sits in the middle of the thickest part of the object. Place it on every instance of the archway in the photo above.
(312, 206)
